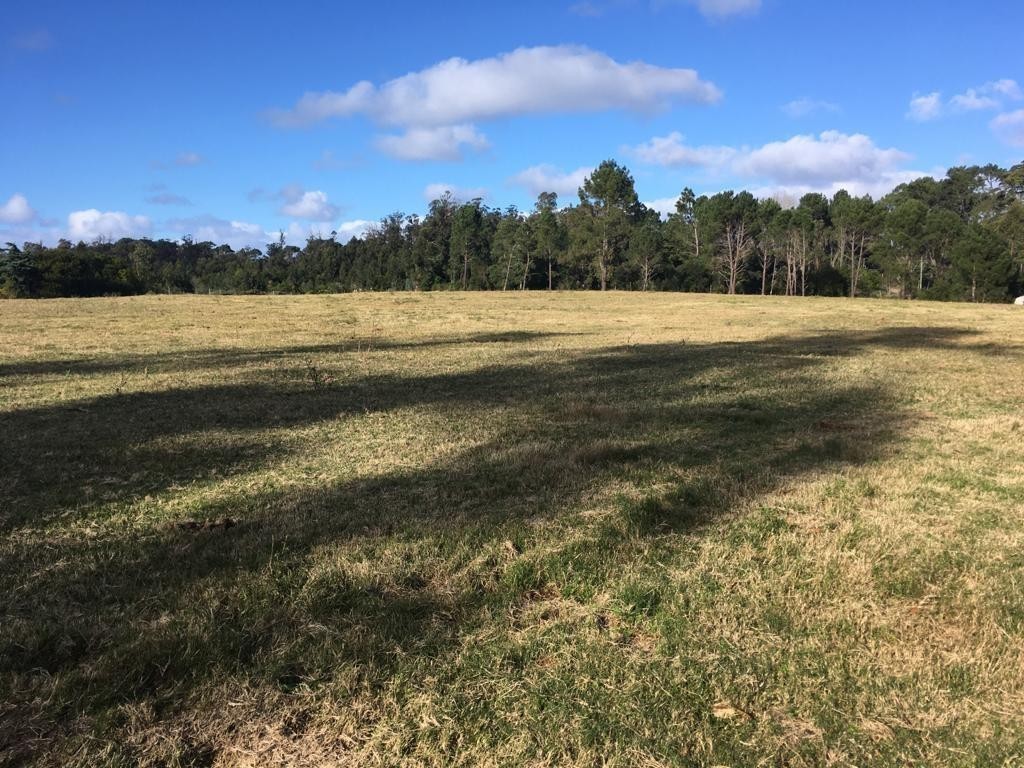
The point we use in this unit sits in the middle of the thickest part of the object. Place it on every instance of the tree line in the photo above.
(957, 238)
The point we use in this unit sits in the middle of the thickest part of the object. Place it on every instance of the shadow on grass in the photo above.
(232, 357)
(150, 614)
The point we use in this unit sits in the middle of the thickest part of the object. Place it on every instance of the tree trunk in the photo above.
(526, 271)
(604, 264)
(508, 269)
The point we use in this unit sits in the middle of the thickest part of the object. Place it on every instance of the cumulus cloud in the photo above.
(297, 233)
(663, 205)
(206, 228)
(439, 106)
(972, 100)
(825, 162)
(1008, 88)
(818, 159)
(459, 194)
(991, 95)
(16, 210)
(443, 142)
(92, 224)
(926, 107)
(355, 228)
(672, 150)
(805, 107)
(312, 205)
(790, 194)
(543, 79)
(1009, 127)
(547, 178)
(801, 159)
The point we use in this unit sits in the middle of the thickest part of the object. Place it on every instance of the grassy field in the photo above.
(478, 529)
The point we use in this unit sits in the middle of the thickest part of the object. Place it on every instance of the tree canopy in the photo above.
(957, 238)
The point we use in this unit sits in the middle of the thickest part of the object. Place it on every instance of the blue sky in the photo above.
(229, 121)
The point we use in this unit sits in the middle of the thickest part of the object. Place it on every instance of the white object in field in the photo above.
(1019, 301)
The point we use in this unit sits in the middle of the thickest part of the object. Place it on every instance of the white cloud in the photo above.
(988, 96)
(312, 205)
(672, 151)
(92, 224)
(16, 210)
(1008, 88)
(355, 228)
(439, 105)
(991, 95)
(443, 142)
(825, 162)
(237, 234)
(815, 160)
(525, 81)
(459, 194)
(790, 194)
(297, 233)
(1009, 127)
(804, 107)
(547, 178)
(924, 108)
(972, 100)
(663, 205)
(802, 159)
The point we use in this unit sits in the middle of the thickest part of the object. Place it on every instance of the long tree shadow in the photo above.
(192, 360)
(149, 614)
(71, 458)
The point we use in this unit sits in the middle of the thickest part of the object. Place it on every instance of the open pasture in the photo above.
(495, 529)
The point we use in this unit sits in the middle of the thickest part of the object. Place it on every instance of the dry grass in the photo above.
(478, 529)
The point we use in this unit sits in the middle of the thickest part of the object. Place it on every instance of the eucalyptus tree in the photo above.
(734, 217)
(504, 246)
(855, 222)
(767, 244)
